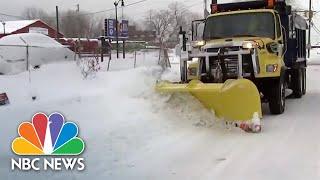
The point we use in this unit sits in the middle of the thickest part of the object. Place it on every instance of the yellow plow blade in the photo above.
(234, 100)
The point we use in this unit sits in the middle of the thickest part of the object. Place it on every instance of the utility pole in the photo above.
(4, 27)
(310, 19)
(122, 13)
(78, 8)
(57, 19)
(116, 3)
(117, 29)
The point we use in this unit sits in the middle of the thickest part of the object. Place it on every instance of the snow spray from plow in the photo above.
(235, 101)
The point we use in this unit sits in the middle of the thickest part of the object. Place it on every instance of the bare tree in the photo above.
(167, 22)
(159, 21)
(96, 27)
(178, 13)
(31, 13)
(74, 24)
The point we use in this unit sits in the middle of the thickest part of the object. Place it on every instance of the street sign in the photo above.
(124, 29)
(111, 30)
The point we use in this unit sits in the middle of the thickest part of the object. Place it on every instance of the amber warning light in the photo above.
(214, 8)
(270, 3)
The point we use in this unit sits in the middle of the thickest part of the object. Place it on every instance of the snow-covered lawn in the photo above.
(131, 132)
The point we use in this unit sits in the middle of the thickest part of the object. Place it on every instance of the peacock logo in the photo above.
(48, 136)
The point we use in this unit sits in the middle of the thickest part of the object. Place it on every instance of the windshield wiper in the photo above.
(244, 35)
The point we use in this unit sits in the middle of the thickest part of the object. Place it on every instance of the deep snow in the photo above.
(131, 132)
(18, 51)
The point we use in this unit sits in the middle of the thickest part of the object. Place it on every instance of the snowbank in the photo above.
(42, 50)
(314, 57)
(131, 132)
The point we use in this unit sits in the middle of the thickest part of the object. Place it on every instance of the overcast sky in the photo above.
(15, 7)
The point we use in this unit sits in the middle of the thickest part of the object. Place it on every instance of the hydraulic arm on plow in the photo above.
(242, 54)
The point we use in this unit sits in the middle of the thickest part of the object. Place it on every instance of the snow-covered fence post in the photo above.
(166, 58)
(160, 51)
(135, 59)
(110, 57)
(108, 68)
(75, 51)
(34, 97)
(164, 62)
(28, 62)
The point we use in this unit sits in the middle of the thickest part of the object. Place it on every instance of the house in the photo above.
(27, 26)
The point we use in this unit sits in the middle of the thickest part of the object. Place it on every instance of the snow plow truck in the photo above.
(243, 54)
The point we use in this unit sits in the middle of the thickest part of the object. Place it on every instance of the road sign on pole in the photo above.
(110, 29)
(124, 29)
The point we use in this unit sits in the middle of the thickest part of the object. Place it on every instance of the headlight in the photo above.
(249, 45)
(197, 44)
(272, 47)
(193, 61)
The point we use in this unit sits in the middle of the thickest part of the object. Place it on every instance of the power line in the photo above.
(9, 15)
(134, 3)
(107, 10)
(84, 14)
(192, 5)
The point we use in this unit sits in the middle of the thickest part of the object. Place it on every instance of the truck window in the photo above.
(255, 24)
(279, 29)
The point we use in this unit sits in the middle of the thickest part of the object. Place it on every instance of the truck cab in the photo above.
(256, 35)
(263, 41)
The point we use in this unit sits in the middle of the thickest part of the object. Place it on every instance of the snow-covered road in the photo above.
(133, 133)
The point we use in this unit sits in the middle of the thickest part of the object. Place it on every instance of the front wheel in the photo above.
(277, 97)
(304, 87)
(298, 82)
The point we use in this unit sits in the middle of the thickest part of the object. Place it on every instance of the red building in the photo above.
(81, 45)
(38, 26)
(27, 26)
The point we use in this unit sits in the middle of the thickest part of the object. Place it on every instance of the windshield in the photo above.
(240, 25)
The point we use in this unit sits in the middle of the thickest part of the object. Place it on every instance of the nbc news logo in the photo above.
(48, 136)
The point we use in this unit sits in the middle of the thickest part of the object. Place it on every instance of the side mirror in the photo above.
(274, 47)
(197, 29)
(183, 39)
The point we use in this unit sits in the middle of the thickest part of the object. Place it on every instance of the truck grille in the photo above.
(231, 63)
(216, 50)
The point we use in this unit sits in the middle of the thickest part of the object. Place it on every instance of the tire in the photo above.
(304, 84)
(277, 97)
(297, 83)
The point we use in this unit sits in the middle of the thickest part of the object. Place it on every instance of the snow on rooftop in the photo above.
(12, 26)
(30, 39)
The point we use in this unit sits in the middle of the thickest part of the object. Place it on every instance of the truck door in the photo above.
(280, 37)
